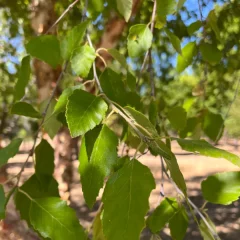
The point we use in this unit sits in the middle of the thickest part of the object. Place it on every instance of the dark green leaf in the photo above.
(25, 109)
(162, 214)
(128, 192)
(139, 40)
(121, 162)
(62, 101)
(82, 60)
(131, 82)
(113, 86)
(23, 78)
(9, 151)
(35, 189)
(45, 48)
(177, 117)
(189, 128)
(125, 8)
(84, 112)
(2, 203)
(193, 27)
(153, 112)
(178, 224)
(210, 53)
(184, 60)
(204, 148)
(118, 56)
(222, 188)
(72, 40)
(97, 162)
(134, 100)
(174, 40)
(44, 163)
(212, 20)
(213, 125)
(165, 7)
(57, 221)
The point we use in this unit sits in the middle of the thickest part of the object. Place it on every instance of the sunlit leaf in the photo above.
(72, 40)
(166, 7)
(97, 227)
(118, 56)
(184, 60)
(82, 60)
(84, 112)
(204, 148)
(128, 192)
(9, 151)
(139, 40)
(222, 188)
(193, 27)
(125, 8)
(23, 78)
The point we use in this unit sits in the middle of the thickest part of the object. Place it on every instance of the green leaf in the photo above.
(184, 60)
(222, 188)
(97, 163)
(97, 227)
(45, 48)
(84, 112)
(177, 117)
(210, 53)
(44, 163)
(193, 27)
(2, 203)
(23, 78)
(162, 214)
(139, 40)
(72, 40)
(165, 7)
(82, 60)
(113, 86)
(25, 109)
(131, 82)
(62, 101)
(9, 151)
(97, 5)
(213, 126)
(127, 191)
(134, 100)
(153, 112)
(189, 128)
(54, 215)
(157, 147)
(204, 148)
(35, 189)
(118, 56)
(125, 8)
(212, 20)
(180, 4)
(174, 40)
(51, 124)
(205, 231)
(178, 224)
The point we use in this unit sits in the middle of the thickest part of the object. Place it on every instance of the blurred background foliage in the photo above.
(206, 90)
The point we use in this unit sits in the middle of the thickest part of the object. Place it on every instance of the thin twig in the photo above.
(62, 16)
(149, 51)
(41, 124)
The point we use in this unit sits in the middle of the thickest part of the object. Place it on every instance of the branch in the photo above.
(149, 52)
(62, 16)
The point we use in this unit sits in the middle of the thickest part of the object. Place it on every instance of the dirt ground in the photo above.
(195, 168)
